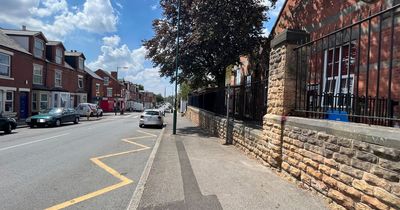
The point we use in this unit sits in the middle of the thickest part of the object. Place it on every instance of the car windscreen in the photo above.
(151, 113)
(52, 111)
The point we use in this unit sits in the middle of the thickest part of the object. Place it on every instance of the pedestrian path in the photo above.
(193, 170)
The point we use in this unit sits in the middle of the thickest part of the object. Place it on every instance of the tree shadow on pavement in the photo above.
(193, 131)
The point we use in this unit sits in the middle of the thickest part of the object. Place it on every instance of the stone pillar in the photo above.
(281, 90)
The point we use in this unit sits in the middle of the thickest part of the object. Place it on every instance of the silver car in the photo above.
(152, 117)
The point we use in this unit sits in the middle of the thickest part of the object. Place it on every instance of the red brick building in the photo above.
(95, 86)
(349, 58)
(15, 78)
(114, 91)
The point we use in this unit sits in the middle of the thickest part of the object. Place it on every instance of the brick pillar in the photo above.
(281, 90)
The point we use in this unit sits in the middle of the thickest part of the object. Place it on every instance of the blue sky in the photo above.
(109, 32)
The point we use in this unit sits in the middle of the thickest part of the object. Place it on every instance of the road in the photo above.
(93, 165)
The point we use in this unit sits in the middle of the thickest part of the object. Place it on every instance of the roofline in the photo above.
(277, 19)
(27, 53)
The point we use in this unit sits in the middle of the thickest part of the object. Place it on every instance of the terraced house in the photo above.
(38, 74)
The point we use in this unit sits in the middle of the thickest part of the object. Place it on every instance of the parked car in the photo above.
(84, 109)
(53, 117)
(152, 117)
(7, 124)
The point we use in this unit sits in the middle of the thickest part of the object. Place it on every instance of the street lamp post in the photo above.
(176, 68)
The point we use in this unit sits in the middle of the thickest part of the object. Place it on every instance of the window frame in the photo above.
(58, 49)
(58, 72)
(6, 100)
(43, 101)
(37, 75)
(97, 87)
(37, 40)
(106, 81)
(9, 65)
(110, 89)
(81, 64)
(80, 79)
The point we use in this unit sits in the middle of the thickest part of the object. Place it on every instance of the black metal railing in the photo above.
(247, 102)
(353, 73)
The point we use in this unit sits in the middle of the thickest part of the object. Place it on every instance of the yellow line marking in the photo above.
(148, 133)
(96, 160)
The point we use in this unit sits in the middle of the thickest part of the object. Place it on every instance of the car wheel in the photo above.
(91, 114)
(58, 122)
(31, 125)
(76, 120)
(101, 114)
(141, 125)
(8, 129)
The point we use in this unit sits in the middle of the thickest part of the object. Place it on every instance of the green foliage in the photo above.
(184, 91)
(213, 34)
(159, 98)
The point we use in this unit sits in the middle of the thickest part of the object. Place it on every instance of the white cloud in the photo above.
(56, 19)
(50, 7)
(113, 55)
(112, 41)
(154, 7)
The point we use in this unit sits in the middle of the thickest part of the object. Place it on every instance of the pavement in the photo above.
(193, 170)
(95, 164)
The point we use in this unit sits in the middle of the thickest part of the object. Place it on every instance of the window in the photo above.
(58, 79)
(38, 48)
(97, 87)
(37, 74)
(9, 101)
(109, 92)
(106, 80)
(59, 55)
(338, 77)
(81, 65)
(80, 81)
(44, 101)
(55, 100)
(34, 101)
(5, 65)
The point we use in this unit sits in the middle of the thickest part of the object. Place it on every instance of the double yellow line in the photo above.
(97, 160)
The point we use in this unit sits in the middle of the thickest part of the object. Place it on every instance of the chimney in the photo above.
(114, 74)
(24, 27)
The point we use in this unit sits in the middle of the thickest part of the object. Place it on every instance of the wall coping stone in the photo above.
(384, 136)
(290, 36)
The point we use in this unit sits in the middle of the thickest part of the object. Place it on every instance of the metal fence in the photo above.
(247, 102)
(352, 74)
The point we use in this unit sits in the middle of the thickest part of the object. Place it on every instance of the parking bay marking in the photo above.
(96, 160)
(32, 142)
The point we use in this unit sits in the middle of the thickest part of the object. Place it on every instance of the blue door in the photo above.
(23, 105)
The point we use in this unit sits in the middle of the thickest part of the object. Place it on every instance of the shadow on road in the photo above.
(192, 131)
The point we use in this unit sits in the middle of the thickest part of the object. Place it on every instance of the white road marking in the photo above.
(32, 142)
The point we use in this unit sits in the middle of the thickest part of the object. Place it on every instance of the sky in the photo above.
(108, 32)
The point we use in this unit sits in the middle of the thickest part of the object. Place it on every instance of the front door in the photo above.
(23, 108)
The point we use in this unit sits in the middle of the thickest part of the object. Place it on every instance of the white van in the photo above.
(85, 109)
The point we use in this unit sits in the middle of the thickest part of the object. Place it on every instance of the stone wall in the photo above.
(353, 166)
(246, 138)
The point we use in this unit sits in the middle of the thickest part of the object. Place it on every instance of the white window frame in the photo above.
(36, 49)
(9, 65)
(108, 92)
(97, 88)
(337, 87)
(56, 84)
(81, 63)
(80, 78)
(106, 80)
(9, 101)
(36, 70)
(43, 101)
(58, 57)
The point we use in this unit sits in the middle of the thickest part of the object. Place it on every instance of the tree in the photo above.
(159, 98)
(184, 91)
(140, 87)
(213, 34)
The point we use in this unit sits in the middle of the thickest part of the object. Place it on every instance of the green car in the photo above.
(53, 117)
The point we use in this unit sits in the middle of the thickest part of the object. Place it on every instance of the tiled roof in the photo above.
(10, 43)
(92, 74)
